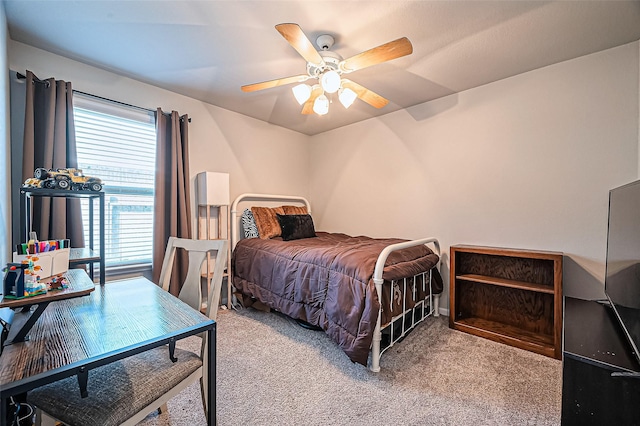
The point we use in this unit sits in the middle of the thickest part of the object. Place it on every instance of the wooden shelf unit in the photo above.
(508, 295)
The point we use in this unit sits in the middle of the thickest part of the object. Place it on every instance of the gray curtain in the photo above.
(172, 206)
(50, 142)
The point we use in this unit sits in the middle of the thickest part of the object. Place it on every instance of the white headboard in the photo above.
(236, 227)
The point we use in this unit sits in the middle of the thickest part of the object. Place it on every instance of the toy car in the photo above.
(67, 179)
(32, 183)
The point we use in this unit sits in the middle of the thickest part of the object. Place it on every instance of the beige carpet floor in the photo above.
(271, 371)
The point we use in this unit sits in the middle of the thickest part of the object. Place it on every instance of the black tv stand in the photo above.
(600, 375)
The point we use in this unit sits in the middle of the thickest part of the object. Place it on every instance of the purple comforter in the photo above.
(325, 281)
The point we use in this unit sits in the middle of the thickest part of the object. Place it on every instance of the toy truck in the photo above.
(67, 179)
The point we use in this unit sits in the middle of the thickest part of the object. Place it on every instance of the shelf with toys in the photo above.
(88, 255)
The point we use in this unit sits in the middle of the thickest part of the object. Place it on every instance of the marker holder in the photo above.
(50, 262)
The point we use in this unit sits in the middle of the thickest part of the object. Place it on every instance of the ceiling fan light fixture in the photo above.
(327, 67)
(302, 93)
(321, 105)
(347, 97)
(330, 81)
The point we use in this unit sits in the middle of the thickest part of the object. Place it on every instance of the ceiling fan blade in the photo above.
(273, 83)
(299, 41)
(383, 53)
(365, 94)
(307, 108)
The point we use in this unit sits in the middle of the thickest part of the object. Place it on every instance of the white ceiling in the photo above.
(208, 49)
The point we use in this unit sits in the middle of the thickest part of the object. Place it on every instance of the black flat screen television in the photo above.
(622, 278)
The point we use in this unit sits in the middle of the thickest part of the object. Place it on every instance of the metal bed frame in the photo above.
(408, 319)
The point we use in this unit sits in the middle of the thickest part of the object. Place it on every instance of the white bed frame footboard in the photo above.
(401, 319)
(419, 307)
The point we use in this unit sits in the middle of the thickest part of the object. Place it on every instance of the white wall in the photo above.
(526, 162)
(5, 153)
(523, 162)
(259, 157)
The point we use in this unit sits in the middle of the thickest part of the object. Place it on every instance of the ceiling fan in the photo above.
(329, 69)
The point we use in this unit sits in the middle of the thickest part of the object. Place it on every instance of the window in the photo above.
(117, 143)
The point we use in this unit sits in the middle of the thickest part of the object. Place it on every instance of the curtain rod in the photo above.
(118, 102)
(35, 79)
(111, 100)
(23, 77)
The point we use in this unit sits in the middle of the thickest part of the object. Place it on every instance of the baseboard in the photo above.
(444, 312)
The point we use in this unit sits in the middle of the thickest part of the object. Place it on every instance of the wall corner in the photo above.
(5, 151)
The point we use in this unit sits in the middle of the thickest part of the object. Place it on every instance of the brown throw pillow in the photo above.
(295, 209)
(296, 226)
(266, 221)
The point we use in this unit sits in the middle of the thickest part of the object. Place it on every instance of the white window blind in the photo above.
(117, 143)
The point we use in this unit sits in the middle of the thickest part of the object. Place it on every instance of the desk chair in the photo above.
(126, 391)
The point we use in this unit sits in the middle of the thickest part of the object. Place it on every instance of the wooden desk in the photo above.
(118, 320)
(79, 284)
